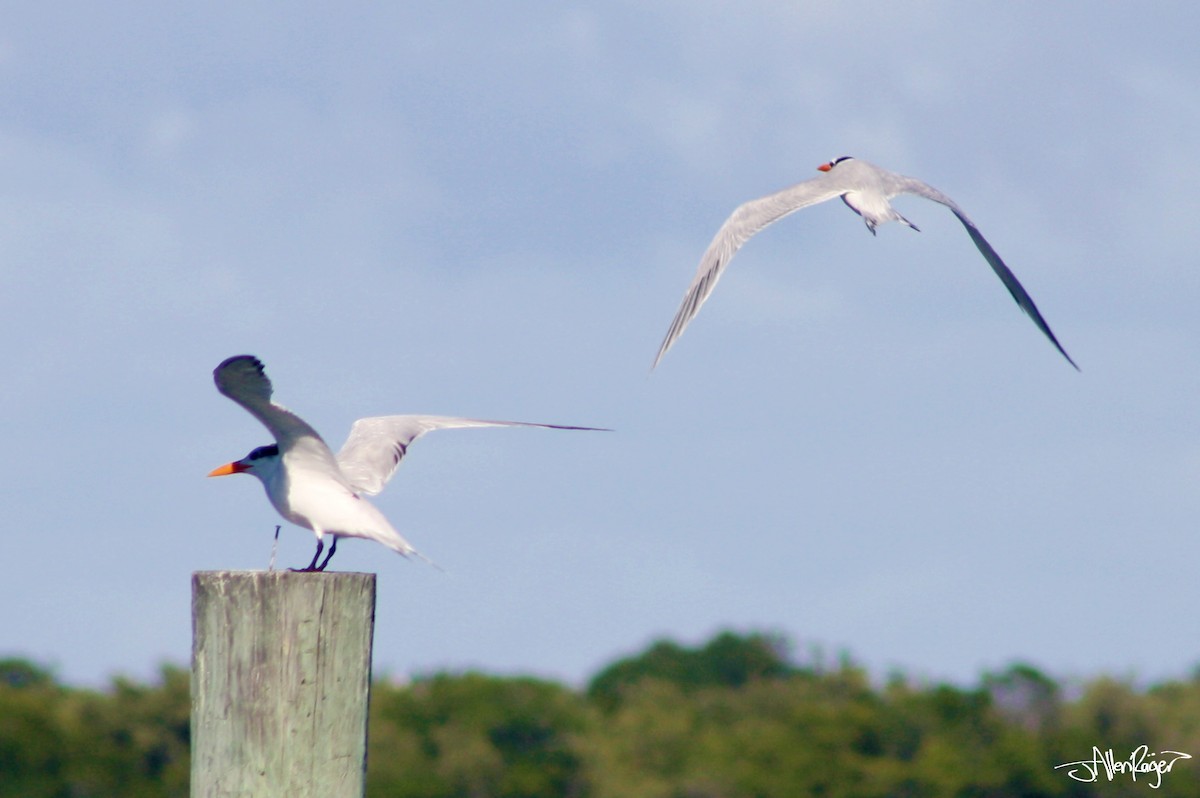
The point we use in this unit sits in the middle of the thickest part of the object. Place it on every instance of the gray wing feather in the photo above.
(376, 445)
(242, 379)
(748, 219)
(911, 185)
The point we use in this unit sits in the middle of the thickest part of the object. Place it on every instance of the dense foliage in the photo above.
(737, 716)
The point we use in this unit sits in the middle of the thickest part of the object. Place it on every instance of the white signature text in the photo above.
(1141, 760)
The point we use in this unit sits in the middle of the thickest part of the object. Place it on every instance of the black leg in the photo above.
(329, 556)
(312, 566)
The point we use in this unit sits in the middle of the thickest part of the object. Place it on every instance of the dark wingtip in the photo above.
(1045, 328)
(229, 361)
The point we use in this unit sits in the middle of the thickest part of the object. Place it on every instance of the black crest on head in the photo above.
(264, 451)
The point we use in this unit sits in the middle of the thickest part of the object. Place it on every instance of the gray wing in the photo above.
(747, 220)
(243, 380)
(911, 185)
(376, 445)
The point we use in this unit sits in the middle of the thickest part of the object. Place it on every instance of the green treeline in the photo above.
(737, 716)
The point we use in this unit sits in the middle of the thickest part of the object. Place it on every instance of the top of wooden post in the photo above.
(281, 674)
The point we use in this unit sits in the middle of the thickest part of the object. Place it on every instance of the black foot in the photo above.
(312, 566)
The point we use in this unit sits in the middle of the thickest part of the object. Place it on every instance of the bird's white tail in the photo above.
(396, 542)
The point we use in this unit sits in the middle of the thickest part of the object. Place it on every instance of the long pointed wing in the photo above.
(911, 185)
(377, 445)
(243, 380)
(743, 223)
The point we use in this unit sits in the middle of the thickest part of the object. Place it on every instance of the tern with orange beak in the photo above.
(310, 486)
(866, 189)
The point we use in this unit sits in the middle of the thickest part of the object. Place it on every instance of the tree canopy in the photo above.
(734, 716)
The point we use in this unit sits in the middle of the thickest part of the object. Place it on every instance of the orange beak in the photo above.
(825, 167)
(227, 469)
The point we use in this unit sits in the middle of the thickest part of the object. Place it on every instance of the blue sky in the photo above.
(493, 211)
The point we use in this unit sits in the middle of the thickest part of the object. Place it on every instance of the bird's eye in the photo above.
(839, 160)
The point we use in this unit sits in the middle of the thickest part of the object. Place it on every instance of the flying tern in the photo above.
(866, 189)
(309, 485)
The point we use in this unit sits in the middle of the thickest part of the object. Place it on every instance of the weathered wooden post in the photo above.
(281, 675)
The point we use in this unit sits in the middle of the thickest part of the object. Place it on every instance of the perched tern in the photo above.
(307, 483)
(866, 189)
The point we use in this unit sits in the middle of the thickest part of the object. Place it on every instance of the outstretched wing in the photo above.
(911, 185)
(243, 380)
(377, 445)
(743, 223)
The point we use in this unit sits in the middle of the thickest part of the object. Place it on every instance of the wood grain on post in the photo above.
(281, 675)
